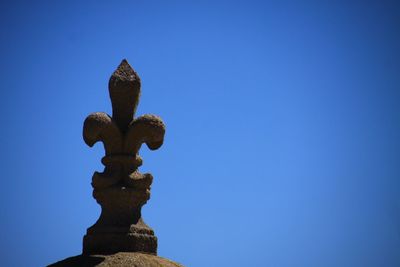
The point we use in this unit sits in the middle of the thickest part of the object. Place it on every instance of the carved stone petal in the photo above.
(99, 126)
(124, 88)
(148, 129)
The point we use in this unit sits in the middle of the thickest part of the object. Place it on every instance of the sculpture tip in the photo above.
(124, 61)
(124, 73)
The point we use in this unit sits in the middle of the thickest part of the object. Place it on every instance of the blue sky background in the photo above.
(283, 126)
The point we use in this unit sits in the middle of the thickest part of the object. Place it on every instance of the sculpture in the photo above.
(121, 190)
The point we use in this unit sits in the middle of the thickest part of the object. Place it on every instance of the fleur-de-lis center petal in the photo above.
(124, 88)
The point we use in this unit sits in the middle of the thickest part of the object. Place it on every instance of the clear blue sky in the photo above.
(283, 126)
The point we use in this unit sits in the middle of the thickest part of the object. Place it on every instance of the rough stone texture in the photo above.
(122, 259)
(121, 190)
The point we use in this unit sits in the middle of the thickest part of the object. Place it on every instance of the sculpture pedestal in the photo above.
(108, 243)
(120, 227)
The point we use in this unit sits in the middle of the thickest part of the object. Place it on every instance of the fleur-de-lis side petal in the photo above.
(99, 126)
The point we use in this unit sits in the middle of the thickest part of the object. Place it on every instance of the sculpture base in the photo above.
(116, 260)
(112, 243)
(120, 227)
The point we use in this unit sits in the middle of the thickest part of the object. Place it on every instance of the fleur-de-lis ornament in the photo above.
(121, 190)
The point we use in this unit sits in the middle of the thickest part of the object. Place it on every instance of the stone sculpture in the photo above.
(121, 190)
(120, 237)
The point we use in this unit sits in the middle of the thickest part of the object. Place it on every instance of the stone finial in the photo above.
(121, 190)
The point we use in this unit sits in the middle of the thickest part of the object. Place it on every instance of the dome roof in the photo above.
(120, 259)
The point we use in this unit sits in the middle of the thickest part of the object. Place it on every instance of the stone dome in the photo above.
(120, 259)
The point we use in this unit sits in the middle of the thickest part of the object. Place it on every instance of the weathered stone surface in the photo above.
(122, 259)
(121, 190)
